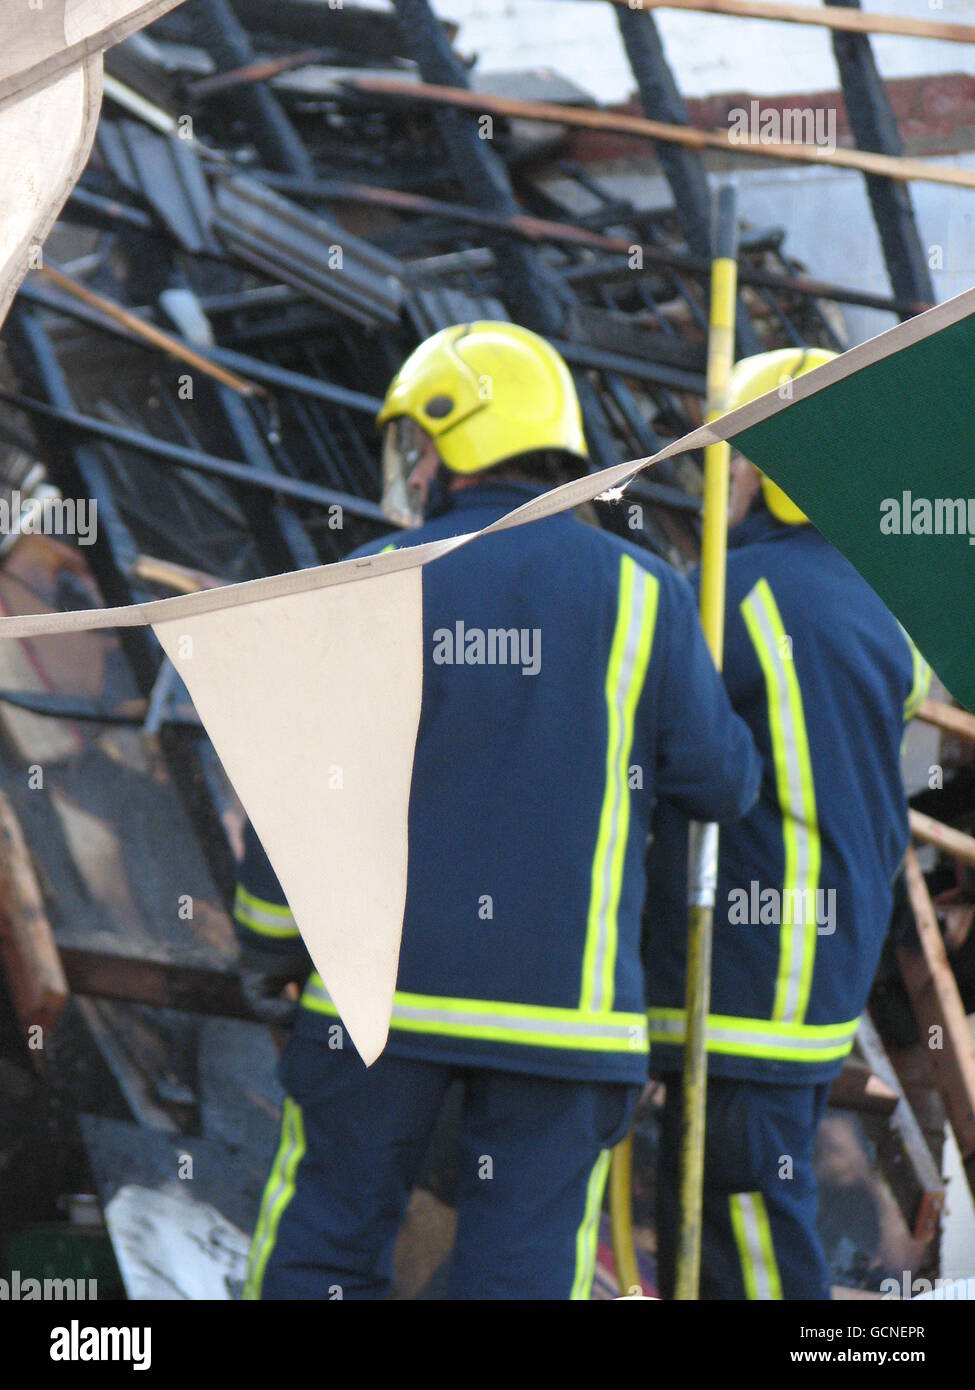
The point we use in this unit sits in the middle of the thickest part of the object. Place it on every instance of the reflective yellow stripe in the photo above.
(797, 803)
(628, 660)
(277, 1194)
(266, 918)
(922, 681)
(759, 1037)
(587, 1236)
(487, 1020)
(753, 1237)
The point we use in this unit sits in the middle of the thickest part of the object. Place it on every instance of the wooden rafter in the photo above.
(900, 167)
(940, 1013)
(848, 21)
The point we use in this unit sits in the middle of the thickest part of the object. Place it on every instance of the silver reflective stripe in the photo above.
(629, 1032)
(290, 1152)
(268, 919)
(610, 899)
(626, 671)
(587, 1236)
(795, 809)
(674, 1028)
(562, 1028)
(753, 1251)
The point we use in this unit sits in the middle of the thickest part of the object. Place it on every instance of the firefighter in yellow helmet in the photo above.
(566, 687)
(469, 398)
(751, 378)
(825, 678)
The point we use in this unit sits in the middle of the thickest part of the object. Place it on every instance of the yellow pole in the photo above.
(621, 1217)
(704, 856)
(704, 838)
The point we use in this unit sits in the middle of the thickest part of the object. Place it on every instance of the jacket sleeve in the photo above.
(266, 929)
(708, 765)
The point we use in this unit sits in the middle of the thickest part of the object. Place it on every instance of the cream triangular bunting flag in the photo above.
(50, 94)
(312, 702)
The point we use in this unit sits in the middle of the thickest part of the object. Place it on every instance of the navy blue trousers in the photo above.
(534, 1154)
(759, 1238)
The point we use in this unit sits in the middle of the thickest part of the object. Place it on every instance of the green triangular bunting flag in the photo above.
(883, 464)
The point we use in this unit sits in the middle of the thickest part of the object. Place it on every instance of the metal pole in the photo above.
(704, 838)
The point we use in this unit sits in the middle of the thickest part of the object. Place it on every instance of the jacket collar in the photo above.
(503, 496)
(760, 525)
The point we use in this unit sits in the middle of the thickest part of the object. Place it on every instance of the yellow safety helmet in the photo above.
(483, 392)
(751, 378)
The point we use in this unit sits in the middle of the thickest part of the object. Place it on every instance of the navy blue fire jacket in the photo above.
(825, 678)
(566, 687)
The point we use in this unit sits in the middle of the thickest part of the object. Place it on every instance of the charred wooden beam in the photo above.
(228, 469)
(148, 332)
(798, 285)
(253, 367)
(902, 1151)
(197, 982)
(946, 838)
(874, 126)
(941, 1016)
(683, 169)
(948, 718)
(857, 1088)
(857, 23)
(33, 969)
(260, 71)
(544, 229)
(55, 705)
(900, 167)
(219, 30)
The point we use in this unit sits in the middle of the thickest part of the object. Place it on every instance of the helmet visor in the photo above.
(404, 493)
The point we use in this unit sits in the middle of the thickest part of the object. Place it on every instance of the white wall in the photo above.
(708, 53)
